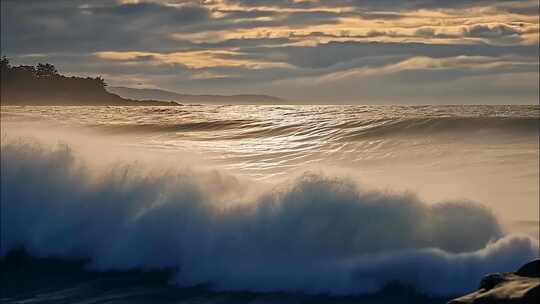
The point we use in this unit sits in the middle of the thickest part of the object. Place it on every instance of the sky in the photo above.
(308, 51)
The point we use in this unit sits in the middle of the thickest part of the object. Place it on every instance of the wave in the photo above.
(303, 123)
(438, 125)
(313, 234)
(355, 129)
(180, 127)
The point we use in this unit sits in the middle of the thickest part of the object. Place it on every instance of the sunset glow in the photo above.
(214, 45)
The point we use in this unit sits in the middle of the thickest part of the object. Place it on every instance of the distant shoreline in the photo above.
(43, 85)
(125, 103)
(163, 95)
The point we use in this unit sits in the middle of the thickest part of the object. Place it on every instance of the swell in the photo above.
(346, 123)
(179, 127)
(313, 234)
(444, 125)
(352, 130)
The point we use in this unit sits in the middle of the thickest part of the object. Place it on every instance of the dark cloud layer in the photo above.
(285, 46)
(72, 26)
(372, 4)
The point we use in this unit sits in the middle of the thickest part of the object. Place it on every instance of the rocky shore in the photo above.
(522, 286)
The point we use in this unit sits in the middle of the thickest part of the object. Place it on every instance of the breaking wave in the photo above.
(313, 234)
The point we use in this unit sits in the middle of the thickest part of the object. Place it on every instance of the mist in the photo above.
(312, 233)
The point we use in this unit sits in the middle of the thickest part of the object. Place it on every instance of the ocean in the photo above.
(264, 204)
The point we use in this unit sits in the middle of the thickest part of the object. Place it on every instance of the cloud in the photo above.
(530, 8)
(70, 26)
(324, 55)
(446, 80)
(192, 59)
(487, 31)
(387, 5)
(219, 43)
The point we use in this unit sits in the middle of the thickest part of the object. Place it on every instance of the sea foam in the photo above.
(313, 234)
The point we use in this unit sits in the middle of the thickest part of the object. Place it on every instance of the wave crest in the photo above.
(314, 234)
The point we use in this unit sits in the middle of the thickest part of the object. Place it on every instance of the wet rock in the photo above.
(521, 287)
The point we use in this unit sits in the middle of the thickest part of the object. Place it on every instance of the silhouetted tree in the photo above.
(44, 85)
(23, 72)
(4, 67)
(46, 70)
(4, 63)
(101, 81)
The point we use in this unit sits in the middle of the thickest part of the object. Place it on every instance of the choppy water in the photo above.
(234, 207)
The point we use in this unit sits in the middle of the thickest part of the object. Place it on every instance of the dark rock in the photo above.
(491, 280)
(521, 287)
(531, 269)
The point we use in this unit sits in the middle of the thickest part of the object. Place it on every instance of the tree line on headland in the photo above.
(44, 85)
